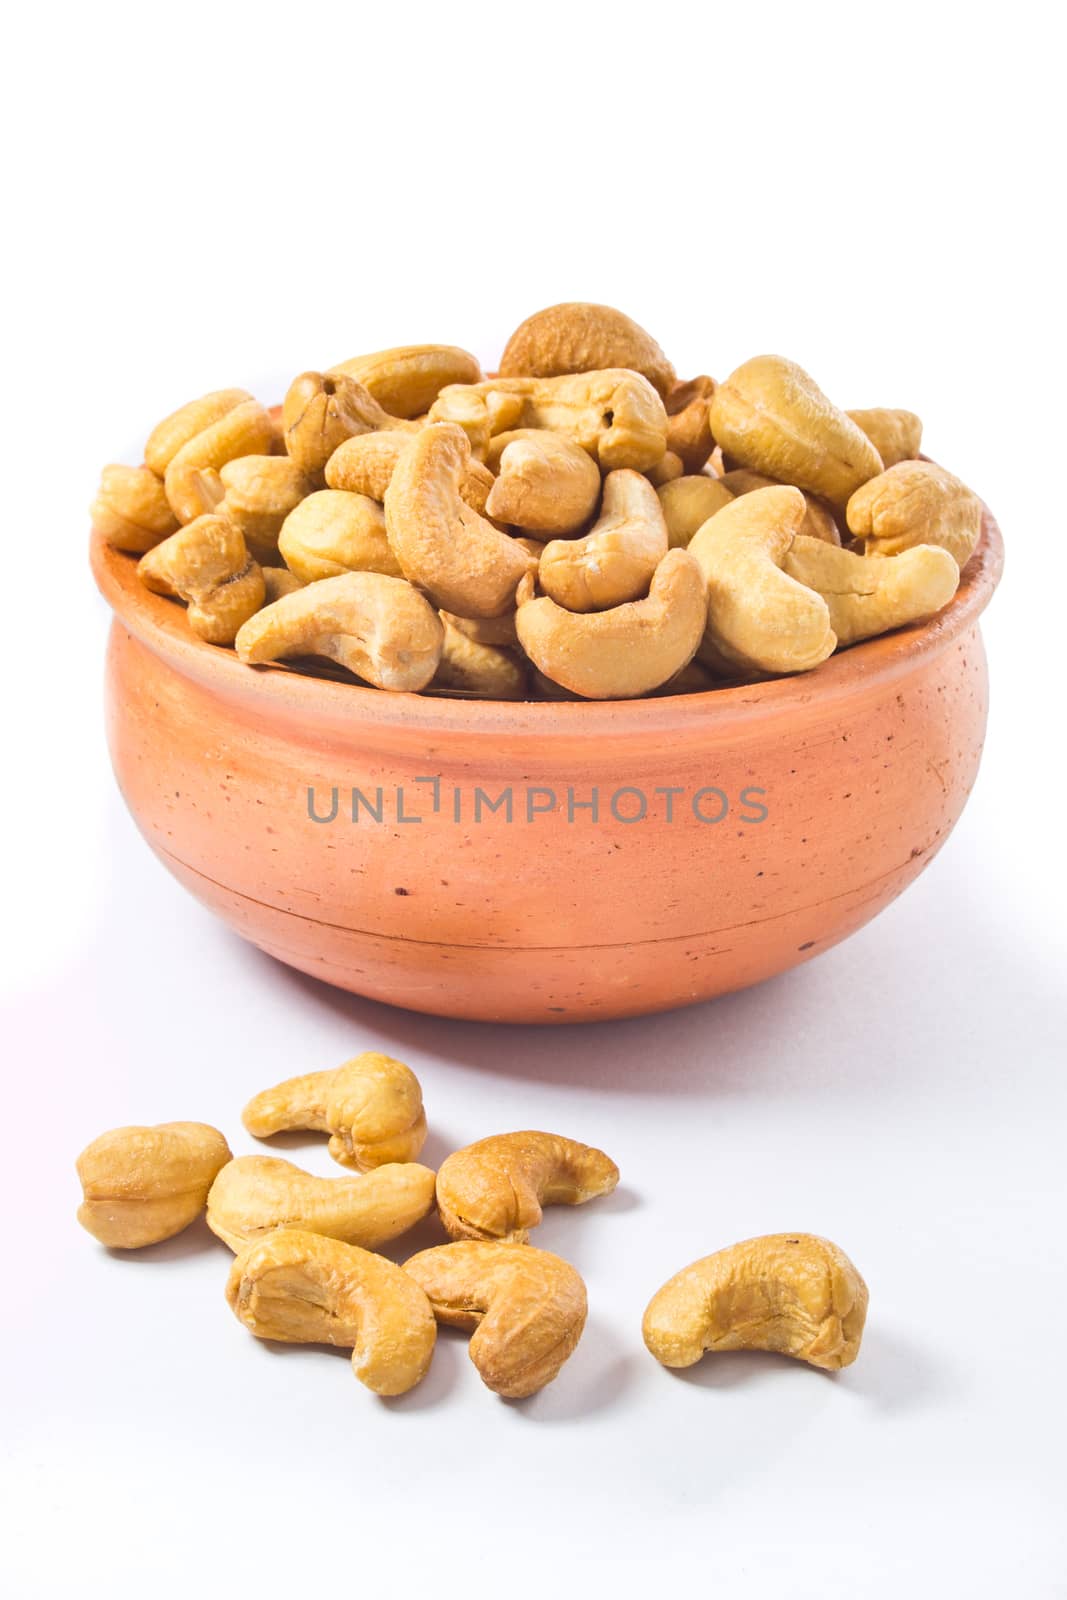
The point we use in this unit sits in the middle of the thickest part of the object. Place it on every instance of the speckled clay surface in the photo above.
(865, 763)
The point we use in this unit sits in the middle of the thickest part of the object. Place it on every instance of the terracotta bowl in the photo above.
(799, 809)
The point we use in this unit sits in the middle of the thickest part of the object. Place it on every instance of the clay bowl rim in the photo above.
(863, 668)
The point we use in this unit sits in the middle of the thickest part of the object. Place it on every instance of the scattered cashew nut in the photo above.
(207, 565)
(495, 1189)
(916, 502)
(545, 482)
(526, 1307)
(615, 561)
(254, 1195)
(302, 1288)
(578, 336)
(795, 1294)
(142, 1185)
(371, 1106)
(869, 595)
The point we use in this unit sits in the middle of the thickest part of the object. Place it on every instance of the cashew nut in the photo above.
(687, 503)
(759, 618)
(581, 337)
(259, 493)
(254, 1195)
(483, 671)
(321, 410)
(365, 465)
(818, 522)
(371, 1106)
(688, 422)
(913, 503)
(207, 565)
(191, 481)
(131, 510)
(896, 435)
(666, 470)
(495, 1189)
(407, 380)
(461, 561)
(378, 627)
(175, 431)
(546, 482)
(333, 531)
(526, 1307)
(499, 631)
(278, 581)
(142, 1185)
(616, 559)
(771, 416)
(615, 415)
(794, 1293)
(302, 1288)
(868, 595)
(624, 652)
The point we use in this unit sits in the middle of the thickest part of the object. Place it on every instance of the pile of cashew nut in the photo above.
(581, 524)
(308, 1264)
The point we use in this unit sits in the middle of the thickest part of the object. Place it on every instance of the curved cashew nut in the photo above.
(207, 565)
(758, 617)
(131, 510)
(258, 494)
(545, 482)
(254, 1195)
(302, 1288)
(141, 1185)
(818, 522)
(191, 482)
(916, 502)
(771, 416)
(793, 1293)
(616, 559)
(624, 652)
(406, 381)
(461, 561)
(366, 463)
(896, 435)
(371, 1106)
(527, 1308)
(483, 671)
(175, 431)
(688, 422)
(321, 410)
(687, 503)
(378, 627)
(333, 531)
(495, 1189)
(578, 336)
(616, 416)
(868, 595)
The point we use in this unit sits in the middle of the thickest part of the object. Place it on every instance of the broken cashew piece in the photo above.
(896, 435)
(545, 483)
(771, 416)
(615, 561)
(406, 381)
(365, 465)
(792, 1293)
(207, 565)
(141, 1185)
(688, 502)
(526, 1308)
(495, 1189)
(254, 1195)
(456, 556)
(131, 510)
(303, 1288)
(758, 617)
(624, 652)
(371, 1106)
(333, 531)
(916, 502)
(869, 595)
(578, 336)
(378, 627)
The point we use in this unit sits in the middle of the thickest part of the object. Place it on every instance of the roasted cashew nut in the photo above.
(689, 423)
(687, 503)
(207, 565)
(581, 337)
(175, 431)
(916, 502)
(365, 465)
(278, 581)
(896, 435)
(380, 628)
(332, 532)
(258, 494)
(495, 1189)
(371, 1106)
(302, 1288)
(254, 1195)
(615, 561)
(526, 1307)
(615, 416)
(868, 595)
(818, 522)
(141, 1185)
(771, 416)
(624, 652)
(406, 381)
(131, 510)
(793, 1293)
(444, 547)
(758, 617)
(191, 481)
(545, 482)
(481, 671)
(322, 410)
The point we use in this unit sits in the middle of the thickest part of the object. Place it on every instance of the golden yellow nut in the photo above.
(192, 479)
(916, 502)
(406, 381)
(131, 510)
(896, 435)
(869, 595)
(495, 1189)
(615, 561)
(176, 430)
(818, 522)
(142, 1185)
(332, 532)
(545, 482)
(258, 494)
(371, 1106)
(687, 503)
(207, 565)
(481, 671)
(578, 336)
(689, 422)
(254, 1195)
(321, 410)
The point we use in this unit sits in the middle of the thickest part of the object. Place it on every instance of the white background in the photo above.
(199, 196)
